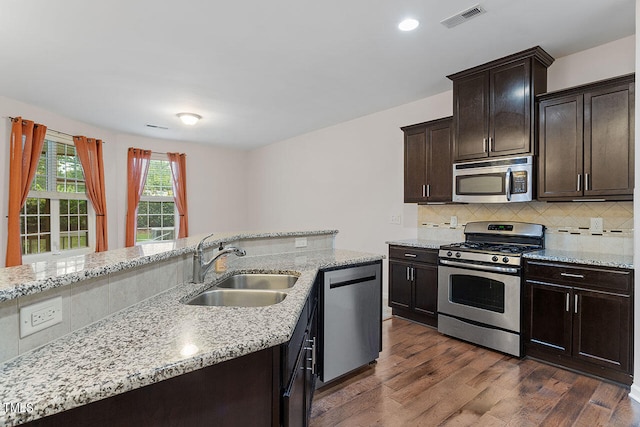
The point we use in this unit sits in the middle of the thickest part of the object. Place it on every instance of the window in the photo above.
(57, 215)
(156, 210)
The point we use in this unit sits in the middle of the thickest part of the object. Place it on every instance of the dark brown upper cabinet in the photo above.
(427, 161)
(493, 105)
(586, 141)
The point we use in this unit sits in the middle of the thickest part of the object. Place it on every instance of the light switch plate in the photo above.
(395, 219)
(39, 316)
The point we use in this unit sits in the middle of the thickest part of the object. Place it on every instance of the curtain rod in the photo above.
(51, 130)
(66, 134)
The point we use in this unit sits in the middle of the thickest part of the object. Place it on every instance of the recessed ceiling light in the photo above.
(189, 118)
(408, 24)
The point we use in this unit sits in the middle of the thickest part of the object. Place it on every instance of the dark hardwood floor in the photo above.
(423, 378)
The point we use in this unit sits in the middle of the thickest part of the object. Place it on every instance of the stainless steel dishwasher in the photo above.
(351, 319)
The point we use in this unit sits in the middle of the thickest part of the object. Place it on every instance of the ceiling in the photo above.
(263, 71)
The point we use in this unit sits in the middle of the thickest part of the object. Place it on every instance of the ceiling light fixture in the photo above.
(189, 118)
(408, 24)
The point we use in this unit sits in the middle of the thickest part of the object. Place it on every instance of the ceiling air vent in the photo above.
(463, 16)
(156, 126)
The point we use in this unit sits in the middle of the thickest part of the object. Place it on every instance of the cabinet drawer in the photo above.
(592, 277)
(407, 253)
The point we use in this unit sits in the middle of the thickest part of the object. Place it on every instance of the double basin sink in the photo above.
(246, 290)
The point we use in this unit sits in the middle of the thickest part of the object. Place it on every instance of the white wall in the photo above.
(216, 182)
(348, 177)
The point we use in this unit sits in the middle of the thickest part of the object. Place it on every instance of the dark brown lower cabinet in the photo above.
(580, 317)
(239, 392)
(298, 392)
(413, 283)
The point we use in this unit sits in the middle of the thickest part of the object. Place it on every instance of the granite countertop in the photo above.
(37, 277)
(419, 243)
(159, 338)
(580, 257)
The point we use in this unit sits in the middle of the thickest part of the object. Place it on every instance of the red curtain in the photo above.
(90, 153)
(137, 168)
(26, 143)
(178, 163)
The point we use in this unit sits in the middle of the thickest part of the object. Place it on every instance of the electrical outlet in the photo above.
(39, 316)
(453, 222)
(395, 219)
(597, 225)
(301, 242)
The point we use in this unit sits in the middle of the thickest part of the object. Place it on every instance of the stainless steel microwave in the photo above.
(502, 180)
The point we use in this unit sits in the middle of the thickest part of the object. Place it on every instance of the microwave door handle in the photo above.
(507, 184)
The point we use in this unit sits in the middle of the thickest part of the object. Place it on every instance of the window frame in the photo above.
(145, 198)
(55, 197)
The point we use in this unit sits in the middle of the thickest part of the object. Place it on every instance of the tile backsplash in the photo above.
(567, 223)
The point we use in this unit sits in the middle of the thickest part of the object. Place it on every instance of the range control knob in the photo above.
(494, 258)
(505, 260)
(458, 254)
(449, 253)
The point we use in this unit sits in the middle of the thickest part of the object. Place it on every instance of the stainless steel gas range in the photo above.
(479, 283)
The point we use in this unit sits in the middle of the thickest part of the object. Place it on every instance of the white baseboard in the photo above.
(635, 392)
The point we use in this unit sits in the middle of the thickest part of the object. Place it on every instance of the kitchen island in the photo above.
(159, 338)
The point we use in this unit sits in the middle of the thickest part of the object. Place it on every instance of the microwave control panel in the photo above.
(519, 182)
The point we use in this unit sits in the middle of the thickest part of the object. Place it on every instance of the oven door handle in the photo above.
(496, 269)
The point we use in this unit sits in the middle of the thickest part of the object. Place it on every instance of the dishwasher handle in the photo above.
(352, 281)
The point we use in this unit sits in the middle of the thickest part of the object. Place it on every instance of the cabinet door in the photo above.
(510, 109)
(471, 110)
(602, 329)
(549, 317)
(293, 400)
(426, 289)
(399, 285)
(609, 140)
(310, 362)
(439, 162)
(560, 144)
(415, 165)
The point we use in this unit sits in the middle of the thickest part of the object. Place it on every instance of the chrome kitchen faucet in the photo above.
(200, 267)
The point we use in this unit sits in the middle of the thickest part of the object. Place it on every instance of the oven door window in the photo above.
(490, 184)
(479, 292)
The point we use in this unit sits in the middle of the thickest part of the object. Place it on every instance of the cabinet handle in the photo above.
(428, 190)
(507, 184)
(408, 275)
(313, 355)
(576, 305)
(575, 276)
(413, 274)
(410, 255)
(567, 302)
(491, 145)
(579, 179)
(586, 182)
(484, 145)
(424, 190)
